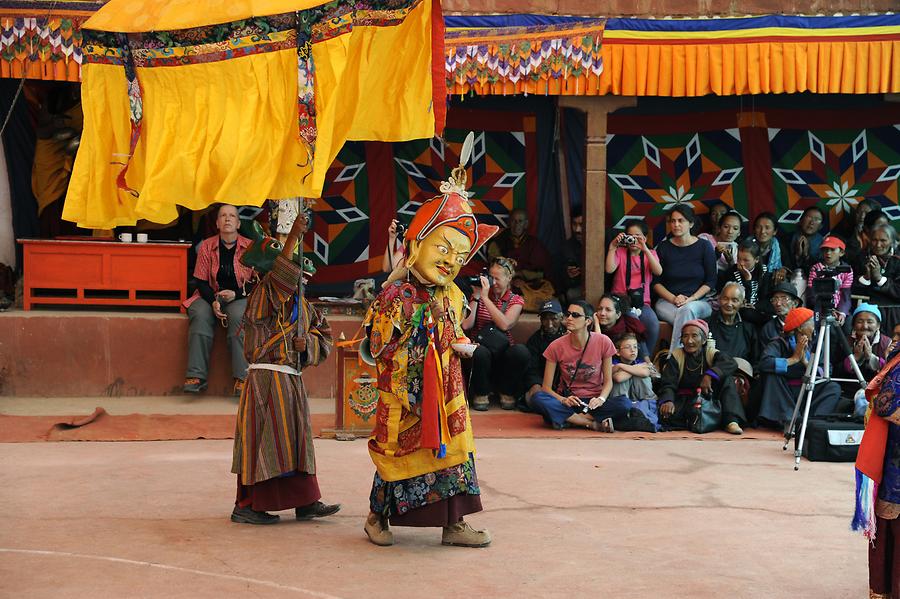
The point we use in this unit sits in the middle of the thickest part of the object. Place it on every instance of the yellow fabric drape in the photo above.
(227, 131)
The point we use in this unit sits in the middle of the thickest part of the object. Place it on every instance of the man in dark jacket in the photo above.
(784, 298)
(698, 366)
(732, 335)
(551, 329)
(783, 365)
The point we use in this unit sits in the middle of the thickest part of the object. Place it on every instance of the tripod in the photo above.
(811, 378)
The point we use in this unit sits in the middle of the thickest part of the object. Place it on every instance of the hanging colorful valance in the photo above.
(735, 56)
(42, 39)
(681, 57)
(541, 59)
(508, 54)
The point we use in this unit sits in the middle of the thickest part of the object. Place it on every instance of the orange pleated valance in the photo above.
(677, 70)
(696, 57)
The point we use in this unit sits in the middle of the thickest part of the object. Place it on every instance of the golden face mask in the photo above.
(438, 258)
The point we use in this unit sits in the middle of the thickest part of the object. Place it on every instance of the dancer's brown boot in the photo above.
(377, 530)
(463, 535)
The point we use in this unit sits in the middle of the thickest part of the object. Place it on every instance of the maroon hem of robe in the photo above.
(280, 493)
(884, 558)
(445, 512)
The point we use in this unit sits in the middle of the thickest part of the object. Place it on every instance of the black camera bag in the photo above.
(832, 438)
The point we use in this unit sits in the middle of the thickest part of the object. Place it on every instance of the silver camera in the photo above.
(627, 240)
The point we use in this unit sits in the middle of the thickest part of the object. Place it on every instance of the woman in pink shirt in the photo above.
(633, 266)
(580, 395)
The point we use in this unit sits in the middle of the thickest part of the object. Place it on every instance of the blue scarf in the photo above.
(774, 256)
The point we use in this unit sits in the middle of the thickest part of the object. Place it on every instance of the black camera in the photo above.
(475, 281)
(825, 285)
(627, 240)
(636, 298)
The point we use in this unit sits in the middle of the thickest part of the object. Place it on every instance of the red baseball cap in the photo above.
(833, 242)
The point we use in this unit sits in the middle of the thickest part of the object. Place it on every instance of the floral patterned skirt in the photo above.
(397, 498)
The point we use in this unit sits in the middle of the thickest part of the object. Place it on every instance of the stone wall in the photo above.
(660, 8)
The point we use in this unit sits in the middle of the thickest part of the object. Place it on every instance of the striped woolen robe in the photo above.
(273, 434)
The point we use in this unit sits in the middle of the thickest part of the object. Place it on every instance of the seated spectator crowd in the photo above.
(745, 310)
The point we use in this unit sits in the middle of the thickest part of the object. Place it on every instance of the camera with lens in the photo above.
(627, 240)
(475, 280)
(636, 298)
(825, 285)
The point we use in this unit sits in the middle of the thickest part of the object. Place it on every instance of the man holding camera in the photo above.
(220, 278)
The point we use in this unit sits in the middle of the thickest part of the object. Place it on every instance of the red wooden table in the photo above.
(104, 273)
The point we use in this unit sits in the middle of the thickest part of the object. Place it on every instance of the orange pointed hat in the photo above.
(452, 208)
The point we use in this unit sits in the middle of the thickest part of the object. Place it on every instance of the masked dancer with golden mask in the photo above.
(422, 444)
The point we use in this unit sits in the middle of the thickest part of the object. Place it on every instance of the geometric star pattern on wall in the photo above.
(649, 174)
(834, 169)
(340, 232)
(495, 173)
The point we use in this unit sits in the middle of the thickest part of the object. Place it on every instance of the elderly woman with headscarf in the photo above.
(868, 343)
(697, 365)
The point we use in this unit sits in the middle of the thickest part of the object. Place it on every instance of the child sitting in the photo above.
(632, 380)
(752, 275)
(832, 250)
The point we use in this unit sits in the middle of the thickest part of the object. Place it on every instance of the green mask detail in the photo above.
(262, 251)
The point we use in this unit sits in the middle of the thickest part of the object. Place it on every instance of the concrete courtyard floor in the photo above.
(570, 518)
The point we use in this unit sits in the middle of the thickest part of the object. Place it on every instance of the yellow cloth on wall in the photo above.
(227, 131)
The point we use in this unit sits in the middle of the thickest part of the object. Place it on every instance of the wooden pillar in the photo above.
(596, 108)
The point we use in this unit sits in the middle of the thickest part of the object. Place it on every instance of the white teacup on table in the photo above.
(142, 237)
(125, 237)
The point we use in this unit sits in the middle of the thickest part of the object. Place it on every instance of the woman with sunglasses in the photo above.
(496, 307)
(584, 360)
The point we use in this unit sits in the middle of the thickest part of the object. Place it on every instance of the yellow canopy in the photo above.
(216, 117)
(128, 16)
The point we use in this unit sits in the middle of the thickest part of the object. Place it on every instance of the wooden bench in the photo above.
(104, 273)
